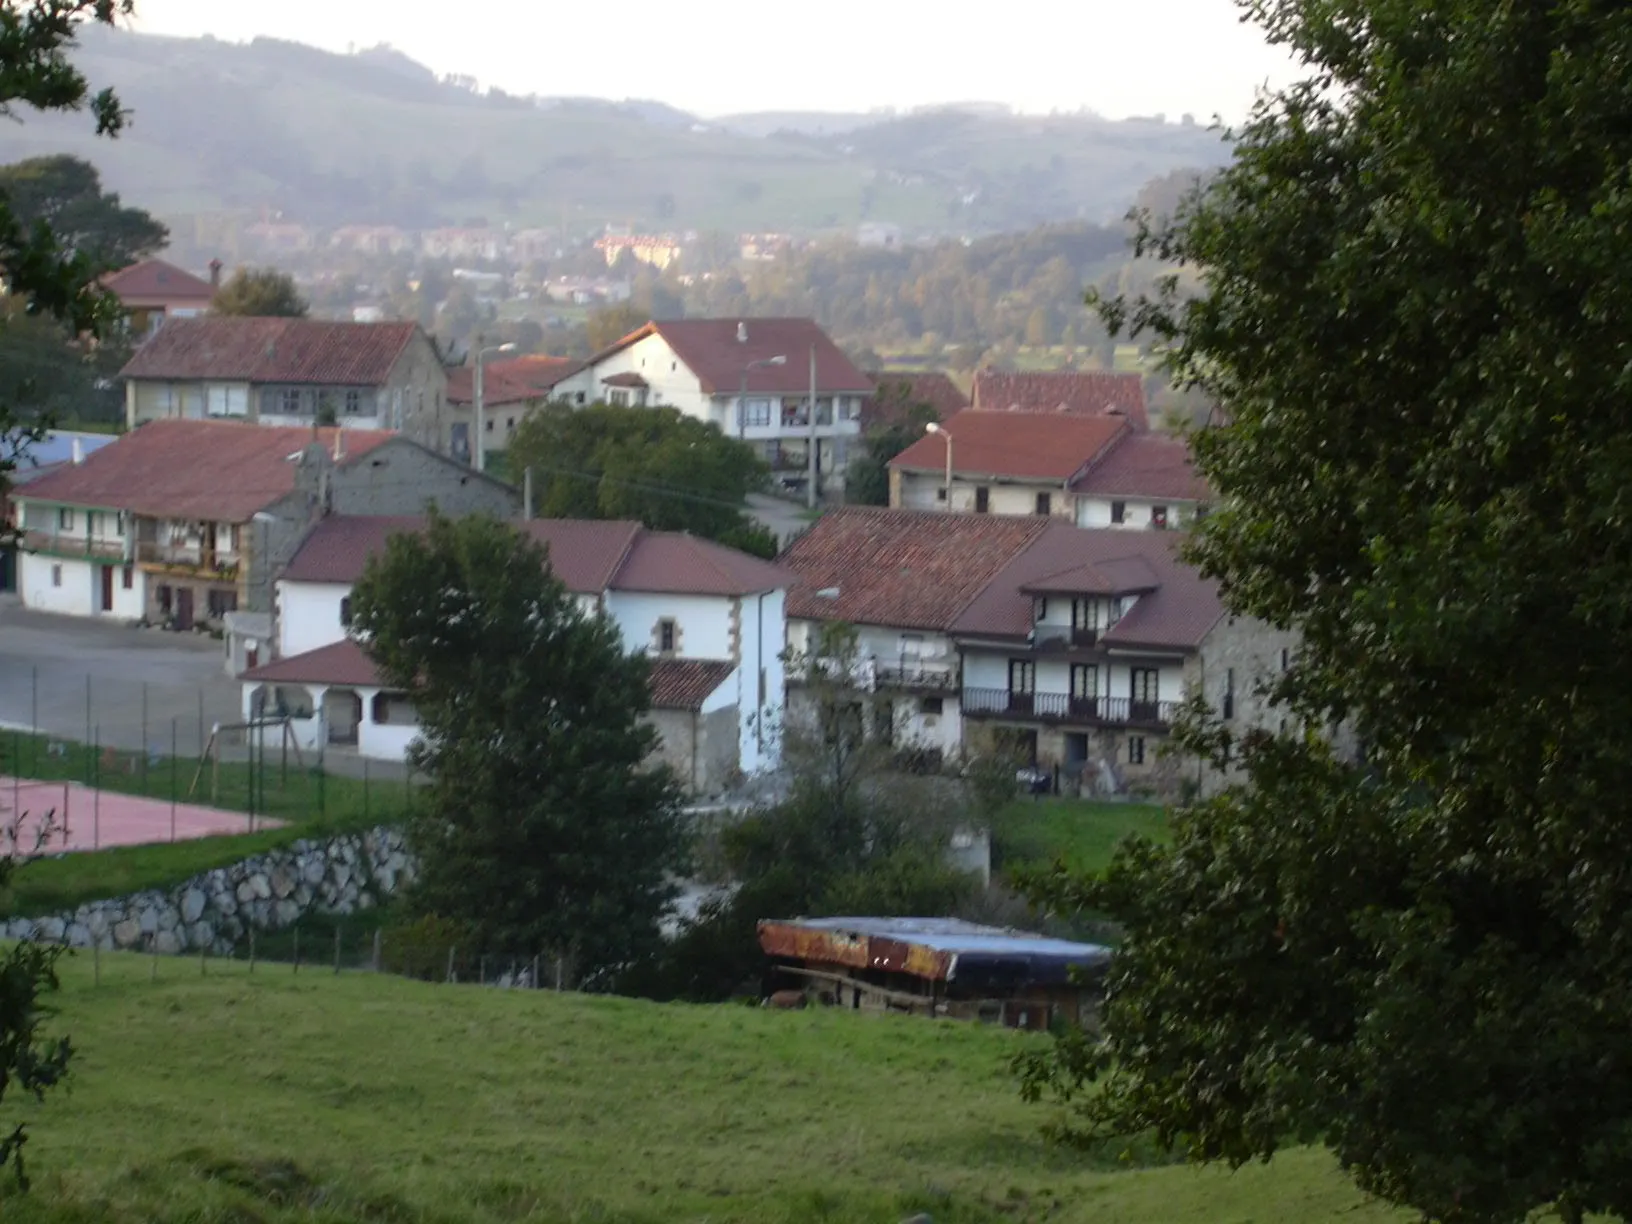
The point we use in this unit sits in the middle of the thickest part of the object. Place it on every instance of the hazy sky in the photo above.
(711, 57)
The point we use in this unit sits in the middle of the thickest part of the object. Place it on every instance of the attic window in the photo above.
(1158, 517)
(1119, 512)
(665, 635)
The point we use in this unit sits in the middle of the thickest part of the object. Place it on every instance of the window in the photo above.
(1086, 616)
(119, 523)
(93, 524)
(488, 424)
(1039, 609)
(56, 575)
(618, 399)
(345, 611)
(940, 493)
(1084, 681)
(509, 424)
(1136, 750)
(983, 499)
(1158, 517)
(222, 602)
(755, 412)
(930, 705)
(1285, 658)
(579, 398)
(354, 403)
(1022, 676)
(1045, 504)
(1119, 512)
(289, 401)
(1228, 710)
(65, 519)
(127, 577)
(163, 597)
(912, 645)
(666, 636)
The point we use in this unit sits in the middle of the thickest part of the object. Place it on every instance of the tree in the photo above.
(656, 465)
(612, 323)
(1414, 299)
(902, 424)
(51, 278)
(66, 194)
(543, 827)
(260, 293)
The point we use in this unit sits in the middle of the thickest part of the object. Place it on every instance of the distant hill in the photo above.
(373, 137)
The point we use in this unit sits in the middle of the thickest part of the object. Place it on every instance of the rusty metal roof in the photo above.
(943, 949)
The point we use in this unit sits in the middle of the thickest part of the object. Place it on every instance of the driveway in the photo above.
(74, 677)
(787, 519)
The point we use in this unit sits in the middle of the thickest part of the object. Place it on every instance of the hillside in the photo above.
(278, 1097)
(375, 138)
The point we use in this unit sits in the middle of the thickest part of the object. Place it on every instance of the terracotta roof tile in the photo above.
(586, 554)
(672, 562)
(221, 471)
(711, 350)
(155, 281)
(899, 389)
(510, 382)
(308, 351)
(1020, 445)
(343, 662)
(1095, 393)
(1176, 614)
(1118, 576)
(1144, 465)
(684, 684)
(907, 569)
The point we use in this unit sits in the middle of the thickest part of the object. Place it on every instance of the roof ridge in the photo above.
(1038, 528)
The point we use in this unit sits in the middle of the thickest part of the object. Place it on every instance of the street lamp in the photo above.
(480, 449)
(742, 389)
(933, 428)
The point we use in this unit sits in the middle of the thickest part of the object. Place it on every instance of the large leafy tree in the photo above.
(900, 423)
(1415, 305)
(260, 293)
(656, 465)
(545, 829)
(50, 278)
(66, 194)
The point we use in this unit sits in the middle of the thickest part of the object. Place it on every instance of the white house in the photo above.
(711, 618)
(1145, 482)
(751, 378)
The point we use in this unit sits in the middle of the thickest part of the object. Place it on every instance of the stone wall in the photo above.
(216, 910)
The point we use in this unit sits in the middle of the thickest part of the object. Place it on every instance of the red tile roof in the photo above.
(1018, 445)
(1095, 393)
(342, 662)
(907, 569)
(220, 471)
(308, 351)
(671, 562)
(899, 389)
(684, 684)
(1175, 615)
(1120, 576)
(155, 282)
(1144, 465)
(586, 554)
(712, 352)
(627, 379)
(515, 381)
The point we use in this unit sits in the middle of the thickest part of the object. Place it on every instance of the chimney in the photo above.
(742, 333)
(215, 274)
(78, 450)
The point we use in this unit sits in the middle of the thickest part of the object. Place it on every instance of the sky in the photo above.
(715, 57)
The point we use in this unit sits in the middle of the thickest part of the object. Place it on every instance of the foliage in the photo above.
(868, 481)
(852, 835)
(1083, 833)
(655, 465)
(65, 194)
(260, 293)
(56, 279)
(612, 323)
(1413, 311)
(543, 829)
(49, 373)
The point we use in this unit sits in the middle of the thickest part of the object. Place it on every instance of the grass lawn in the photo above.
(312, 803)
(1082, 832)
(280, 1097)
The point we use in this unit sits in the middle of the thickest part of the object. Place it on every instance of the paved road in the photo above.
(48, 665)
(785, 518)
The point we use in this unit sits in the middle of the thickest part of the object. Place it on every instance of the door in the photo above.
(184, 608)
(106, 604)
(1022, 684)
(1084, 689)
(1142, 703)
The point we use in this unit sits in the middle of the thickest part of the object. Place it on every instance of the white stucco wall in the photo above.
(1096, 512)
(702, 622)
(76, 596)
(763, 632)
(309, 615)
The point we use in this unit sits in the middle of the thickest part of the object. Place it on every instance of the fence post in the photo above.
(252, 949)
(87, 716)
(377, 934)
(175, 749)
(365, 788)
(144, 739)
(337, 950)
(96, 963)
(153, 947)
(96, 793)
(451, 951)
(34, 719)
(536, 984)
(203, 951)
(297, 948)
(201, 722)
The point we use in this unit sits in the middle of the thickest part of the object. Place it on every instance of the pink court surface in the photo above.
(83, 818)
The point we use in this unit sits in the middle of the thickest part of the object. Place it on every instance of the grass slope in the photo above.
(279, 1097)
(1082, 832)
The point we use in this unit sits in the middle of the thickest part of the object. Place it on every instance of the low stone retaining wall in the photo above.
(216, 910)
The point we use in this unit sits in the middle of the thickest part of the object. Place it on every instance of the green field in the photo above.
(1082, 832)
(281, 1097)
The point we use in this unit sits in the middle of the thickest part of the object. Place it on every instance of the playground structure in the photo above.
(254, 733)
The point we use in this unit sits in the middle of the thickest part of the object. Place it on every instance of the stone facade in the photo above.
(1239, 659)
(214, 911)
(701, 749)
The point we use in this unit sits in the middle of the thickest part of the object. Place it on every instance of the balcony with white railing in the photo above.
(1065, 708)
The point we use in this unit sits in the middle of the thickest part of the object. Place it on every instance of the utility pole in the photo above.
(811, 456)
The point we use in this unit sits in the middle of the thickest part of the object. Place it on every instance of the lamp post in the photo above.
(479, 450)
(933, 428)
(742, 389)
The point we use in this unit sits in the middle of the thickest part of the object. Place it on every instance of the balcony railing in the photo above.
(1062, 707)
(67, 544)
(917, 674)
(191, 558)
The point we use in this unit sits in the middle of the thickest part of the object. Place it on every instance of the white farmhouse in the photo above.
(711, 618)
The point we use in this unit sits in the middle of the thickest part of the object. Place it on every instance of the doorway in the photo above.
(184, 608)
(106, 603)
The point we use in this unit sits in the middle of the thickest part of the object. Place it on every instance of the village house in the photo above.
(897, 390)
(1060, 647)
(182, 523)
(1003, 462)
(153, 291)
(1079, 393)
(750, 378)
(1146, 480)
(510, 390)
(291, 372)
(34, 458)
(711, 618)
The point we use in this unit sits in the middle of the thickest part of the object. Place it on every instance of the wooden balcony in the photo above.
(918, 675)
(1064, 708)
(188, 560)
(67, 544)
